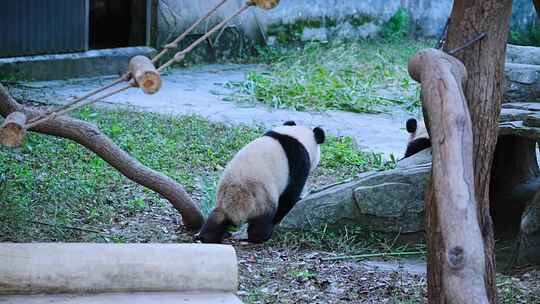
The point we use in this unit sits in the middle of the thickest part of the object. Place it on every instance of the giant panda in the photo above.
(263, 181)
(418, 137)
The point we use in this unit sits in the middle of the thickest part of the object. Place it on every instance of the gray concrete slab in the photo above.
(200, 91)
(126, 298)
(62, 66)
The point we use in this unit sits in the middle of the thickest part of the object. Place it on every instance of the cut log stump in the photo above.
(145, 74)
(266, 4)
(13, 130)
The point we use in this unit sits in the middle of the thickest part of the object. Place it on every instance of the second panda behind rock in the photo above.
(418, 137)
(263, 181)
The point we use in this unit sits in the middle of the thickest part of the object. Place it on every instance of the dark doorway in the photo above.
(117, 23)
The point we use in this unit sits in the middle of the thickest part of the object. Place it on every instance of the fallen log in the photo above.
(93, 139)
(450, 201)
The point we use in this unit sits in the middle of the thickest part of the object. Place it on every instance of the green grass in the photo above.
(51, 184)
(357, 76)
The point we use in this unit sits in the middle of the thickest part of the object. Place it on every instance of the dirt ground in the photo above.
(272, 275)
(277, 273)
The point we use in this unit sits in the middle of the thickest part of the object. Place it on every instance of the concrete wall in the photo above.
(348, 18)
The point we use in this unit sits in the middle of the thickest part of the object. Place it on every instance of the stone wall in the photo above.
(321, 19)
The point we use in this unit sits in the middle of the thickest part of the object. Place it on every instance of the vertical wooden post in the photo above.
(451, 200)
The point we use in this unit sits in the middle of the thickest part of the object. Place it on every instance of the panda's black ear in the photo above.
(320, 137)
(411, 125)
(290, 123)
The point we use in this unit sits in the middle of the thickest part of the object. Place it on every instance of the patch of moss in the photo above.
(531, 37)
(11, 75)
(290, 32)
(231, 46)
(360, 19)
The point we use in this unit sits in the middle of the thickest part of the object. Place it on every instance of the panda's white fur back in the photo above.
(418, 137)
(253, 179)
(305, 136)
(257, 175)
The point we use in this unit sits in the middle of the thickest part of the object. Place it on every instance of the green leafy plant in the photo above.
(357, 76)
(398, 26)
(531, 37)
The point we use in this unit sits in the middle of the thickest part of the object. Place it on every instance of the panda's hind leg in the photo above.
(260, 228)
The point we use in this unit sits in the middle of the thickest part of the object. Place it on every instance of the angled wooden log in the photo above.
(145, 74)
(13, 130)
(451, 202)
(89, 136)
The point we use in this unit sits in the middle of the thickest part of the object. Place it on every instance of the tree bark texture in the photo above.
(93, 139)
(452, 195)
(484, 62)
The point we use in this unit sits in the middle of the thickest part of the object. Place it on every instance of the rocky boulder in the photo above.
(523, 54)
(522, 82)
(389, 201)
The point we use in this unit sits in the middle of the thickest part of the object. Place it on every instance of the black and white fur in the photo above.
(263, 181)
(418, 137)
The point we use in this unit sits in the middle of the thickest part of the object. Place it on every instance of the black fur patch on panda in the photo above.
(320, 137)
(299, 166)
(416, 146)
(290, 123)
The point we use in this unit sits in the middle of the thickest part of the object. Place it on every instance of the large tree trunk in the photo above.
(93, 139)
(484, 62)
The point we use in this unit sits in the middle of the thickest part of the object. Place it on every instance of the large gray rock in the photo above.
(421, 158)
(523, 54)
(513, 114)
(522, 82)
(388, 201)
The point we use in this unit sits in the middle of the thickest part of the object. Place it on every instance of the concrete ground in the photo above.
(201, 90)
